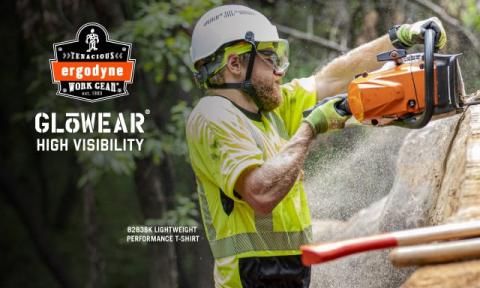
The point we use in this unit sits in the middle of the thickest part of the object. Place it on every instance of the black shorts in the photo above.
(275, 271)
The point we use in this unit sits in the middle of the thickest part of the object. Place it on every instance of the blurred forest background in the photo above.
(64, 215)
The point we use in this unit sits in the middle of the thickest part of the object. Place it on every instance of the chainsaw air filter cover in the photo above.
(396, 92)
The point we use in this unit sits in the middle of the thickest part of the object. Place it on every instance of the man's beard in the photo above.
(268, 93)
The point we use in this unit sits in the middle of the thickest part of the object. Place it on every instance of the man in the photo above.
(248, 139)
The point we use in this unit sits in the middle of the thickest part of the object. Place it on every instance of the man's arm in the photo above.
(335, 77)
(265, 186)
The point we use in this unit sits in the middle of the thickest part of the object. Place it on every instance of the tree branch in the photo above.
(442, 14)
(312, 38)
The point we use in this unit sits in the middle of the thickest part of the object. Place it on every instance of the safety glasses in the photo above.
(275, 53)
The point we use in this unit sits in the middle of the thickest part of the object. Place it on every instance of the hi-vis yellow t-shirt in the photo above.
(223, 141)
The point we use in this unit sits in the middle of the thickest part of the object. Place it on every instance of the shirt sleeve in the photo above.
(221, 148)
(298, 95)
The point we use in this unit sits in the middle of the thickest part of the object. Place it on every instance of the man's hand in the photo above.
(408, 34)
(324, 117)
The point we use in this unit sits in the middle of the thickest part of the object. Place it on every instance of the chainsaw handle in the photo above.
(429, 48)
(342, 107)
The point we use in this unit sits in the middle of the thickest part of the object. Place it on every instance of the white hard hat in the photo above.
(229, 23)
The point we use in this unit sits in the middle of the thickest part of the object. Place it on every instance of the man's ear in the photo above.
(234, 65)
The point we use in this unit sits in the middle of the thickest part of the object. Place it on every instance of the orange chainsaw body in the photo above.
(396, 93)
(382, 96)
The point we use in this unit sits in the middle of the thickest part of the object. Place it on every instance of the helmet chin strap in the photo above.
(246, 86)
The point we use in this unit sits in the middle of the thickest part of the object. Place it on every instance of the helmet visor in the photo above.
(275, 53)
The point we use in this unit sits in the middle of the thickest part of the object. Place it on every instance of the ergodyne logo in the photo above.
(92, 67)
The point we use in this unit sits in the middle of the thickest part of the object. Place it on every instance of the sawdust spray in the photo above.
(350, 169)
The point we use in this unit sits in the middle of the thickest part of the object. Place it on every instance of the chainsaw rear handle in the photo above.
(419, 122)
(342, 107)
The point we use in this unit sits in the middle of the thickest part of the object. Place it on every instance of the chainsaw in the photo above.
(409, 90)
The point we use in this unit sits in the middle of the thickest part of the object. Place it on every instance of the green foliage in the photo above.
(184, 214)
(161, 37)
(172, 141)
(97, 164)
(161, 33)
(176, 128)
(471, 15)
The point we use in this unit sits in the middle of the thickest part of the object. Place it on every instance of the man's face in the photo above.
(266, 83)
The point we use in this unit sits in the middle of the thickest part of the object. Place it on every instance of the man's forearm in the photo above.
(265, 186)
(335, 77)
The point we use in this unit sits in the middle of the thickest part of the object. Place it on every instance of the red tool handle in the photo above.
(314, 254)
(318, 253)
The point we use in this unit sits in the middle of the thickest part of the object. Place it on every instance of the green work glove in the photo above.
(324, 117)
(404, 36)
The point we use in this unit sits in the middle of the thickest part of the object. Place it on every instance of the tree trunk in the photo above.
(153, 202)
(95, 261)
(38, 233)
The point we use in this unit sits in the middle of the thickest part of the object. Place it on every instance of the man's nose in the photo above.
(279, 73)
